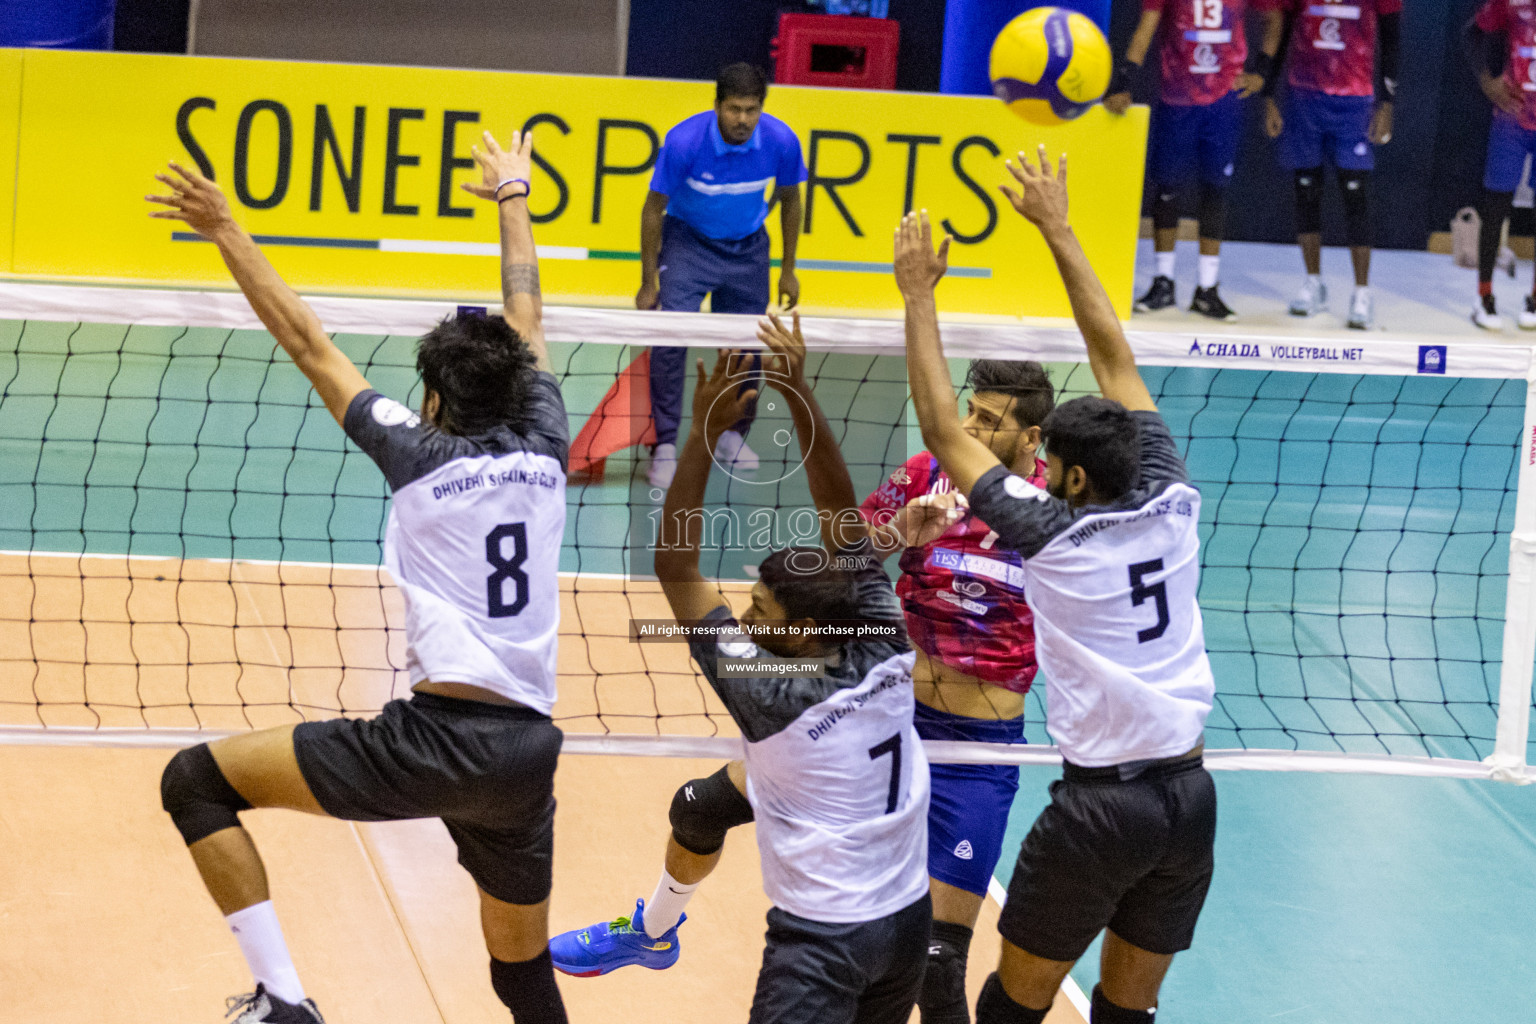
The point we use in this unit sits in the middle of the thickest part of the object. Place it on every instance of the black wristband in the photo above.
(1261, 64)
(1124, 78)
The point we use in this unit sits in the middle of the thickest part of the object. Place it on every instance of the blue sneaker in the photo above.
(589, 952)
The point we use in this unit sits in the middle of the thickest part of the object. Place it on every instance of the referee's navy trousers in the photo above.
(734, 274)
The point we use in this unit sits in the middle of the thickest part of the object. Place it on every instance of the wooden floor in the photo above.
(103, 918)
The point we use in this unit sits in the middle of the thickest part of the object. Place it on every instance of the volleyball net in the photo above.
(189, 545)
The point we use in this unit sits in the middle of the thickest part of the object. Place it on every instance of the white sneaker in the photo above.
(1486, 315)
(1527, 319)
(732, 452)
(1362, 311)
(1311, 300)
(663, 466)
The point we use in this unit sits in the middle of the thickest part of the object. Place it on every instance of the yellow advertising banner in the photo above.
(10, 123)
(349, 175)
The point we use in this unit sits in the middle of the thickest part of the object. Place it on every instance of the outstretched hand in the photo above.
(498, 165)
(194, 200)
(919, 266)
(718, 400)
(785, 370)
(1041, 197)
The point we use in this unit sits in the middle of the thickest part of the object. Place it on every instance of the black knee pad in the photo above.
(197, 796)
(942, 1000)
(1213, 210)
(1165, 208)
(994, 1006)
(1309, 201)
(704, 810)
(1356, 186)
(1106, 1012)
(528, 989)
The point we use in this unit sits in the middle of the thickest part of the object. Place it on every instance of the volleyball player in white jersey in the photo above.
(1111, 567)
(473, 541)
(835, 773)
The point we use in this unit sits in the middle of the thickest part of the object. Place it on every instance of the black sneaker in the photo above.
(1159, 296)
(261, 1007)
(1208, 303)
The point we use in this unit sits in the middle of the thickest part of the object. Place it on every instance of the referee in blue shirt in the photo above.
(701, 233)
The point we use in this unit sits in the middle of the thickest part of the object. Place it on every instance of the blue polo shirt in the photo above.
(718, 189)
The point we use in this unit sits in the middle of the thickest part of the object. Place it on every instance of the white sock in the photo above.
(666, 904)
(1210, 268)
(1165, 264)
(1360, 290)
(1315, 280)
(261, 940)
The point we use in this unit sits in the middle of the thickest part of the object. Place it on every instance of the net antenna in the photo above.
(192, 549)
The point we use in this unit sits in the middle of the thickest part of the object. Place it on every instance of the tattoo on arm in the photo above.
(520, 279)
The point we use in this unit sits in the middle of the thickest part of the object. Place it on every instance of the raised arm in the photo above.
(919, 268)
(505, 181)
(1042, 200)
(200, 204)
(826, 473)
(716, 406)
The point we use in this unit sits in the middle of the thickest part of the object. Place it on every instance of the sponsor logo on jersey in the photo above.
(978, 565)
(964, 851)
(970, 588)
(1328, 35)
(389, 413)
(973, 607)
(900, 477)
(1206, 61)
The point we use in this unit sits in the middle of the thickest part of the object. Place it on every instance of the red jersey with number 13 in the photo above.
(1516, 18)
(1333, 46)
(1204, 47)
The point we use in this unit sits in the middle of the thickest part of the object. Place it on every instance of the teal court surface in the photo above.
(1355, 533)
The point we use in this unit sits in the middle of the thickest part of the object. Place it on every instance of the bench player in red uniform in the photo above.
(1207, 72)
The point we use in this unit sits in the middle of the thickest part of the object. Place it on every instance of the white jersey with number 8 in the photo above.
(473, 542)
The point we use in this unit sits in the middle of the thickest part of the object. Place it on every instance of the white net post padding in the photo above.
(1508, 761)
(1047, 341)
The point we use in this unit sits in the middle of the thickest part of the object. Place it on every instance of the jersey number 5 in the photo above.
(1158, 592)
(507, 568)
(891, 746)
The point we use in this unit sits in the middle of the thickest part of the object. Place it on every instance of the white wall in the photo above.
(578, 36)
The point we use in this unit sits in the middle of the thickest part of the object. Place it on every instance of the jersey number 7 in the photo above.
(1158, 592)
(890, 746)
(507, 568)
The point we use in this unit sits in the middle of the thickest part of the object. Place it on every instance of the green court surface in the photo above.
(1355, 532)
(1352, 900)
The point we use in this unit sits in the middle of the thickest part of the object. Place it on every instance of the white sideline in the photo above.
(727, 747)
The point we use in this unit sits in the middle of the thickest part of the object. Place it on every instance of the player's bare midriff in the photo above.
(464, 691)
(959, 693)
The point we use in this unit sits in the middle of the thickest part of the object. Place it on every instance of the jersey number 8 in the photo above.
(497, 607)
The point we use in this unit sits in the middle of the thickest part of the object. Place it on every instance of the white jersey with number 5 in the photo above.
(836, 774)
(473, 541)
(1114, 589)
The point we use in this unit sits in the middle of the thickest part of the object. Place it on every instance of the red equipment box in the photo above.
(837, 50)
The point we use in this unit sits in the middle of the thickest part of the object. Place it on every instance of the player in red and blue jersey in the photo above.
(1338, 106)
(966, 616)
(1207, 71)
(1503, 33)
